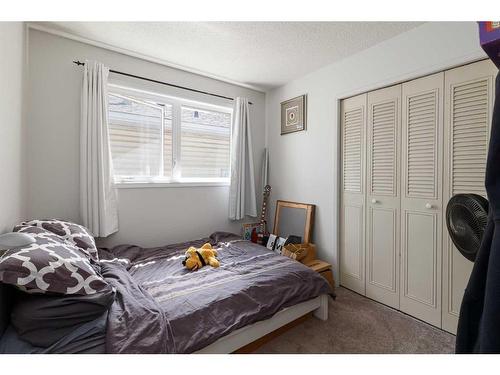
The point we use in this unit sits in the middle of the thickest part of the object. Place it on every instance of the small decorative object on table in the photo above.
(295, 251)
(293, 115)
(275, 243)
(251, 231)
(293, 239)
(271, 242)
(278, 247)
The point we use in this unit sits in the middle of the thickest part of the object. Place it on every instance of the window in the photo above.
(205, 137)
(167, 140)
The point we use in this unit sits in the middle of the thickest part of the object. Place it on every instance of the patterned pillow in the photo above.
(51, 264)
(78, 235)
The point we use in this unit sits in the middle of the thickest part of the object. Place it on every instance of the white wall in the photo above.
(304, 166)
(149, 216)
(11, 124)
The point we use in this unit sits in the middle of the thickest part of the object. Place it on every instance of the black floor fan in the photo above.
(466, 219)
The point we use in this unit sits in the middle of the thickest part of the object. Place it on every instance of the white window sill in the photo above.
(178, 184)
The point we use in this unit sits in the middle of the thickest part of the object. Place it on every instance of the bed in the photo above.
(161, 307)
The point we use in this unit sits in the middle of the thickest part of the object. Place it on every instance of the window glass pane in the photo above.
(167, 141)
(205, 140)
(135, 135)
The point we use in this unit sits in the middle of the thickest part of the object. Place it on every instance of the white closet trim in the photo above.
(419, 73)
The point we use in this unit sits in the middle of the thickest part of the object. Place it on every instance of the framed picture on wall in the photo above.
(294, 115)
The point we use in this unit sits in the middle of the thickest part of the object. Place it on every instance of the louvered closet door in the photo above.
(383, 200)
(421, 203)
(468, 110)
(352, 211)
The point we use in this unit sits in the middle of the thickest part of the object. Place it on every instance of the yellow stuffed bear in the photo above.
(197, 258)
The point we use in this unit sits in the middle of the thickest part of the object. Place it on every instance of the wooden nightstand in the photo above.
(324, 269)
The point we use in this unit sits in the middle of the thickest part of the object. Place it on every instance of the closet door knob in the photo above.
(428, 205)
(374, 201)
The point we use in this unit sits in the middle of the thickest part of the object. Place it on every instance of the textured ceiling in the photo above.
(260, 54)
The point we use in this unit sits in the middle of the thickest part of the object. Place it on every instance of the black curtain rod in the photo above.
(164, 83)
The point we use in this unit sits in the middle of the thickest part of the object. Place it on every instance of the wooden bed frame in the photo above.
(250, 337)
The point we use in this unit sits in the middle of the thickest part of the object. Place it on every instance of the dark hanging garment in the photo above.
(479, 322)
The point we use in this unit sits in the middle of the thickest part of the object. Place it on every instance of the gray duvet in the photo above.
(88, 338)
(163, 308)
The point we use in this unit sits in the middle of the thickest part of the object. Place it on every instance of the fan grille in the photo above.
(466, 219)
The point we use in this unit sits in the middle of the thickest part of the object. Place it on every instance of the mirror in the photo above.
(292, 218)
(292, 222)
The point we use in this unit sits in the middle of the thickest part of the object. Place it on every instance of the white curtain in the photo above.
(242, 190)
(97, 195)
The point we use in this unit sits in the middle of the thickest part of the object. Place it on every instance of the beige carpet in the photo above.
(359, 325)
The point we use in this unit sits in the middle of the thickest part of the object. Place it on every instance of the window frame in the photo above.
(177, 103)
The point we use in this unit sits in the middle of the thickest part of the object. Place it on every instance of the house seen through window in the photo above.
(165, 139)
